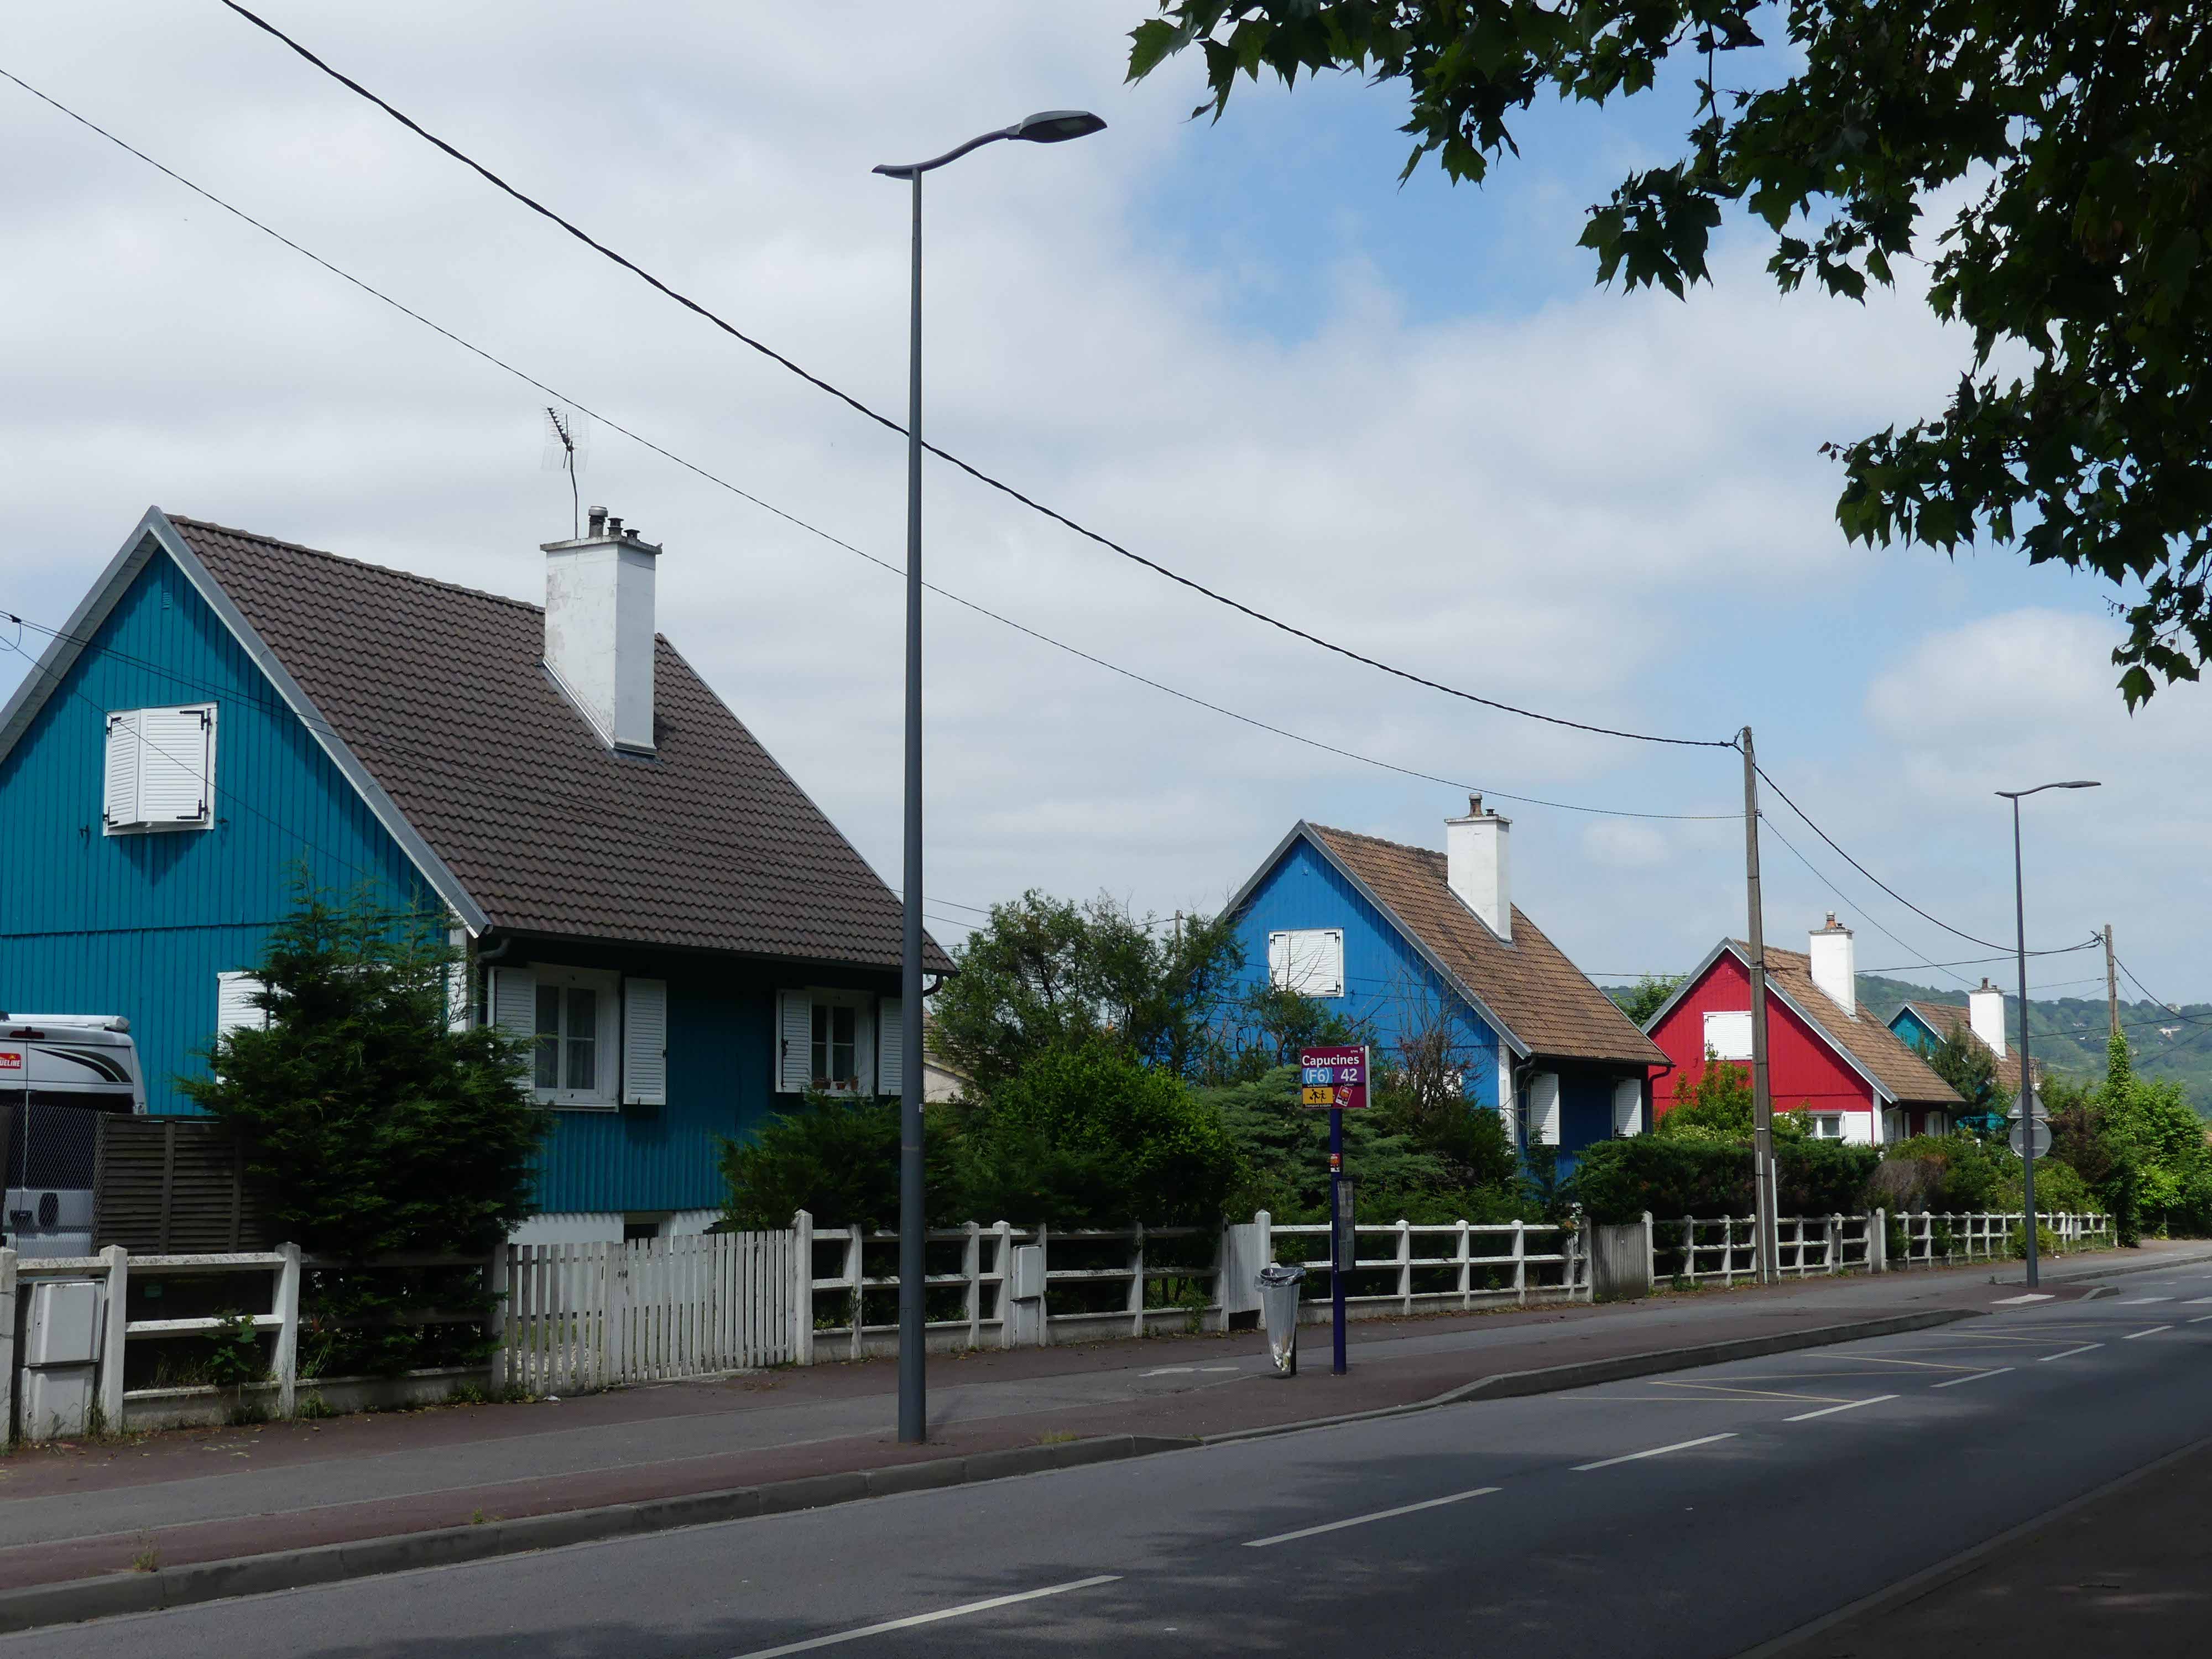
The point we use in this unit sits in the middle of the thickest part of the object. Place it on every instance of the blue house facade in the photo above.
(1425, 950)
(636, 887)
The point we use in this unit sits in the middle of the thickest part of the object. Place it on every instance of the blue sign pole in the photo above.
(1340, 1263)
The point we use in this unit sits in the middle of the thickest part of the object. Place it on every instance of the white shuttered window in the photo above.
(571, 1018)
(1728, 1035)
(644, 1042)
(1306, 960)
(891, 1035)
(235, 1007)
(825, 1040)
(1544, 1109)
(159, 770)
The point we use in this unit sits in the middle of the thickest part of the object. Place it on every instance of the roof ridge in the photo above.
(340, 558)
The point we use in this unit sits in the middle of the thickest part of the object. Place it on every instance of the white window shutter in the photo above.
(120, 769)
(891, 1035)
(864, 1050)
(235, 1007)
(1308, 961)
(644, 1042)
(176, 747)
(1544, 1109)
(514, 1011)
(1278, 960)
(1628, 1106)
(794, 1030)
(1728, 1035)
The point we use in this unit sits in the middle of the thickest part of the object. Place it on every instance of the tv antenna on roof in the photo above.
(568, 441)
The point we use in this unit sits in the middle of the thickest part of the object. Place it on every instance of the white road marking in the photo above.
(1220, 1368)
(1362, 1520)
(1657, 1451)
(1169, 1371)
(1976, 1377)
(2142, 1301)
(1830, 1411)
(2014, 1301)
(962, 1611)
(2152, 1331)
(2198, 1301)
(2199, 1320)
(2069, 1353)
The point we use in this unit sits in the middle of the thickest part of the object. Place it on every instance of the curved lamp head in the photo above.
(2077, 783)
(1051, 126)
(1056, 126)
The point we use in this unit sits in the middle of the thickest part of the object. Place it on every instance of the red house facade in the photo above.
(1826, 1054)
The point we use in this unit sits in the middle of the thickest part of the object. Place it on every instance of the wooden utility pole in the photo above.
(2111, 983)
(1762, 1097)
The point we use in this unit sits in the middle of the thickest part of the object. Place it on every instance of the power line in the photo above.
(815, 530)
(973, 471)
(1767, 825)
(1971, 938)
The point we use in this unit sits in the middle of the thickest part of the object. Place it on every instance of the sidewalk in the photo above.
(188, 1497)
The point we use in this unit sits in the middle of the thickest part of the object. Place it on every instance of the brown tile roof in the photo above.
(1893, 1062)
(1941, 1016)
(439, 691)
(1546, 1001)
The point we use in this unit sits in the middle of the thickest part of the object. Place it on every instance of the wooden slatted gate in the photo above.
(578, 1316)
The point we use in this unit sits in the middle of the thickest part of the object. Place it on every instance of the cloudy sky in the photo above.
(1400, 416)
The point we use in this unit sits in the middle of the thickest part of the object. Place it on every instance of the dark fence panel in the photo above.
(174, 1185)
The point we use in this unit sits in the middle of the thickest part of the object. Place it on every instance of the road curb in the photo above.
(1553, 1379)
(2165, 1264)
(38, 1605)
(112, 1594)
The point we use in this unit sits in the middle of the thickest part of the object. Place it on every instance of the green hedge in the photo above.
(1617, 1180)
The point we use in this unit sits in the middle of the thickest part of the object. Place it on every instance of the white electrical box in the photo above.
(1029, 1271)
(63, 1329)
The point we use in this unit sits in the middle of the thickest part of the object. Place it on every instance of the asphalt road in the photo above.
(1694, 1515)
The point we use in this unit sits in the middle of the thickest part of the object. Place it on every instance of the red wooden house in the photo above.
(1826, 1054)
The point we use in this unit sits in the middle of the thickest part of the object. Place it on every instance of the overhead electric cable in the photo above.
(815, 530)
(1972, 939)
(1767, 825)
(973, 471)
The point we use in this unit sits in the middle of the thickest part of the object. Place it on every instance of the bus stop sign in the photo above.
(1333, 1078)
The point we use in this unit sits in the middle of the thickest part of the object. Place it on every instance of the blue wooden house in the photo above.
(1420, 946)
(640, 890)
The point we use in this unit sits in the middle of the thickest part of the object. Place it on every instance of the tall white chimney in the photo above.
(598, 628)
(1835, 964)
(1475, 866)
(1985, 1013)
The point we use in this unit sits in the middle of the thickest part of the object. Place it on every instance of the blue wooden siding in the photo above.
(1914, 1031)
(140, 925)
(722, 1084)
(1386, 982)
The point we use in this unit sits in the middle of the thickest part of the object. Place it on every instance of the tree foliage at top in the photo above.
(2065, 149)
(1647, 996)
(371, 1125)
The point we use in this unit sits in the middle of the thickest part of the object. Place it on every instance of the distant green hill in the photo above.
(2068, 1034)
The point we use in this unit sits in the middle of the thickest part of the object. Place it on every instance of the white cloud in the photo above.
(1583, 508)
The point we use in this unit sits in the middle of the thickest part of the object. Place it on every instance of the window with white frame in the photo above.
(827, 1040)
(1728, 1035)
(1308, 961)
(595, 1038)
(158, 771)
(1828, 1126)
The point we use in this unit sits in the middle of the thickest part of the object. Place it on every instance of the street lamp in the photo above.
(2027, 1072)
(1051, 126)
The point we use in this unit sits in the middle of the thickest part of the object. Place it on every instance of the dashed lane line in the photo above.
(1656, 1451)
(2016, 1301)
(1830, 1411)
(2152, 1331)
(1362, 1520)
(2068, 1353)
(2142, 1301)
(2199, 1320)
(1976, 1377)
(1740, 1393)
(937, 1617)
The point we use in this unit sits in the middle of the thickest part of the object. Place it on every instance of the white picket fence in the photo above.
(579, 1316)
(1462, 1265)
(1981, 1235)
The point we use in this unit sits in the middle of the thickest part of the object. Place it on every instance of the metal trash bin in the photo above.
(1279, 1314)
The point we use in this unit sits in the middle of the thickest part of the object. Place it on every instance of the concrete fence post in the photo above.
(1835, 1245)
(1003, 1255)
(285, 1361)
(7, 1343)
(497, 1276)
(1878, 1242)
(1405, 1265)
(802, 1289)
(971, 1263)
(1651, 1252)
(1520, 1261)
(117, 1326)
(1137, 1280)
(856, 1278)
(1465, 1261)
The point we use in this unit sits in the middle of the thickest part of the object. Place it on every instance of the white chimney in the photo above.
(1475, 866)
(1835, 964)
(1985, 1013)
(598, 628)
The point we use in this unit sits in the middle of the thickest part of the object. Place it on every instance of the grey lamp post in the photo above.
(2027, 1072)
(1051, 127)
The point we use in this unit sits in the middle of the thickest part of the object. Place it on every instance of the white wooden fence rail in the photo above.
(1724, 1249)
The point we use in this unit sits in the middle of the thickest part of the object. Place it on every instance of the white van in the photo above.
(58, 1072)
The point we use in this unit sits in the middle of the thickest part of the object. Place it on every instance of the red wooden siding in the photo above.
(1802, 1068)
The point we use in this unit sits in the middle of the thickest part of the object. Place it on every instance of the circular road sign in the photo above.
(2042, 1138)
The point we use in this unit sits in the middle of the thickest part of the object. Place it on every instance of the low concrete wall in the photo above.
(211, 1408)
